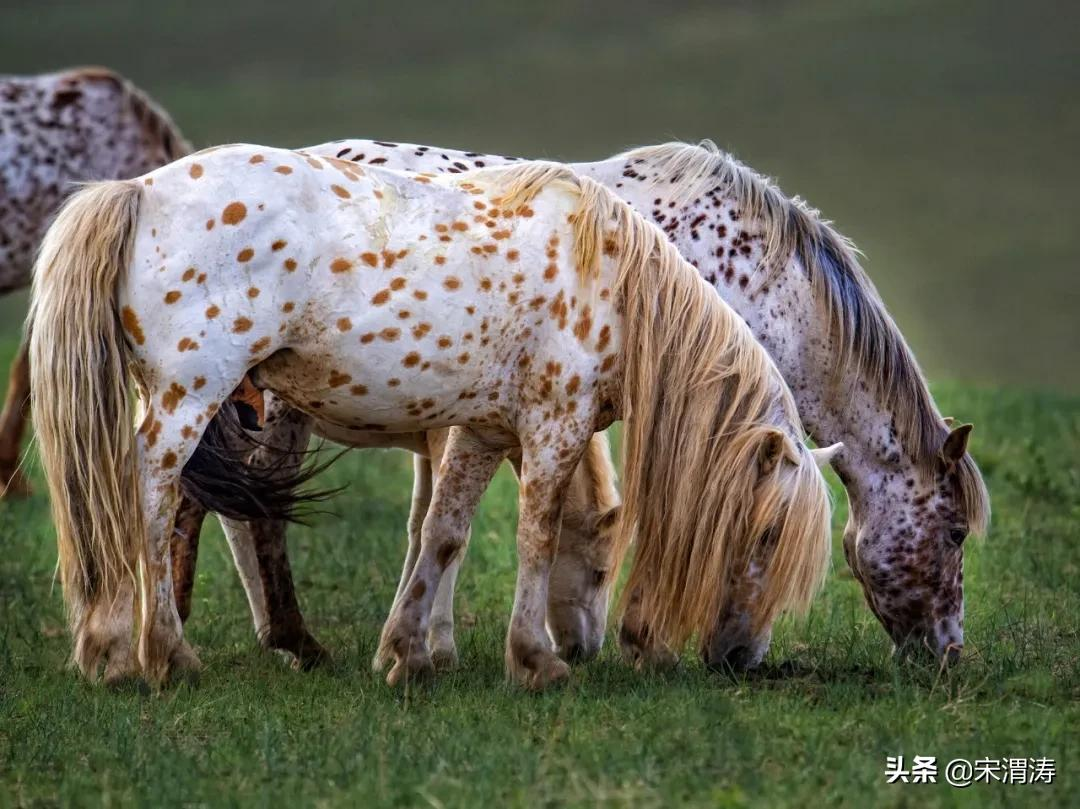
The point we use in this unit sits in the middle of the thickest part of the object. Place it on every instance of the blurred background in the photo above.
(941, 136)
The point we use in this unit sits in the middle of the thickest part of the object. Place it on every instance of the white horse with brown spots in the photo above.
(57, 130)
(914, 490)
(563, 311)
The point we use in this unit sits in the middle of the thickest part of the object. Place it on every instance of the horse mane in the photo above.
(156, 123)
(860, 327)
(700, 400)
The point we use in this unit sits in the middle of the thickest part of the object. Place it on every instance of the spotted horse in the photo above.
(301, 271)
(914, 491)
(57, 130)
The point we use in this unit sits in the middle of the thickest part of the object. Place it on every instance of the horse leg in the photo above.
(418, 509)
(261, 556)
(260, 552)
(467, 468)
(13, 424)
(162, 453)
(444, 653)
(530, 659)
(184, 548)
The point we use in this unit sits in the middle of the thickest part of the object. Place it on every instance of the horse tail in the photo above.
(80, 402)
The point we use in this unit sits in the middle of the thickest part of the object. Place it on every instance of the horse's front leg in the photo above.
(259, 547)
(548, 462)
(467, 467)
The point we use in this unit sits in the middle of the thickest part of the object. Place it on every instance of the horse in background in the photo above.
(57, 130)
(565, 311)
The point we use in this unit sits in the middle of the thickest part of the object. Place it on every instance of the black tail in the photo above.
(221, 477)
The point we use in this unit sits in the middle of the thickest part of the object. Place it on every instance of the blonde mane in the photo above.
(861, 328)
(700, 399)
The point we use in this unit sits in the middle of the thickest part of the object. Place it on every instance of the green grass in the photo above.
(940, 135)
(815, 726)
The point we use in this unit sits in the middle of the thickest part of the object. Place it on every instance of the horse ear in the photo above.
(773, 447)
(607, 521)
(950, 422)
(956, 444)
(823, 456)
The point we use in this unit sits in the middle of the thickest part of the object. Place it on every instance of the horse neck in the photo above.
(786, 318)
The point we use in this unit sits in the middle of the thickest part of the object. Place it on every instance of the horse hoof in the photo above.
(540, 670)
(444, 658)
(184, 665)
(311, 656)
(413, 667)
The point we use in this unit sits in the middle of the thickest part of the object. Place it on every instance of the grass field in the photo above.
(938, 134)
(816, 725)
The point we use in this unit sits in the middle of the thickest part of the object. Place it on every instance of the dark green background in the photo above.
(940, 136)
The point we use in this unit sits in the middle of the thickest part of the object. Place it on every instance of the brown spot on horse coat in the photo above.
(344, 324)
(245, 255)
(234, 213)
(172, 397)
(241, 325)
(172, 296)
(339, 265)
(212, 312)
(195, 171)
(169, 460)
(370, 259)
(259, 345)
(341, 192)
(131, 325)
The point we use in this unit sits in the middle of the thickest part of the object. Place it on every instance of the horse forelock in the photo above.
(860, 326)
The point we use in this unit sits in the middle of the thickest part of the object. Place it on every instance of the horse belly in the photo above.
(395, 378)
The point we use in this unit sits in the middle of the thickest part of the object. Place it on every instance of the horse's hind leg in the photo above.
(13, 424)
(171, 431)
(548, 463)
(467, 468)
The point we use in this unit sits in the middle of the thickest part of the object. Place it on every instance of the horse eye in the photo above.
(957, 536)
(598, 577)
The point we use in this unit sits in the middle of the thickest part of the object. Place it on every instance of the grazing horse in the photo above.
(914, 491)
(57, 130)
(562, 311)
